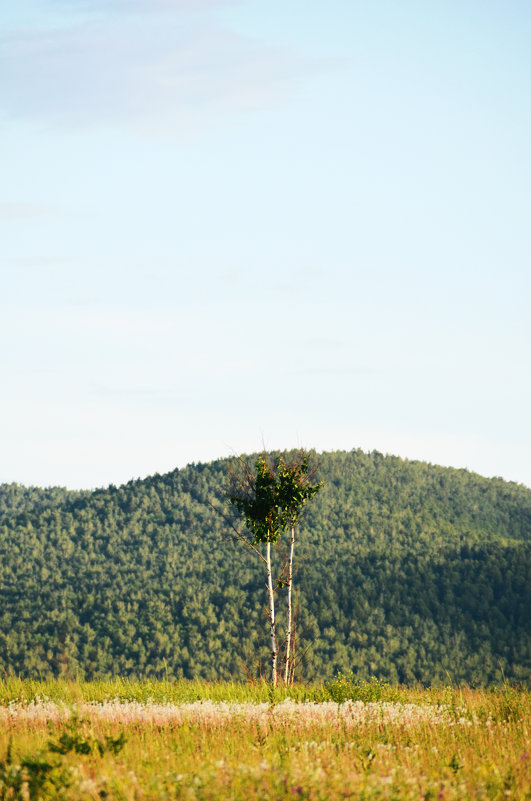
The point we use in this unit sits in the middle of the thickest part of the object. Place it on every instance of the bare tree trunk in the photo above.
(274, 646)
(288, 626)
(293, 651)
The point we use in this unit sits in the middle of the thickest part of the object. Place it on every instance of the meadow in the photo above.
(122, 739)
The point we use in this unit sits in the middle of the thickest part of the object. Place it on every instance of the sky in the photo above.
(230, 224)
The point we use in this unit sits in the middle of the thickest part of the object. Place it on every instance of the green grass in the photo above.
(397, 744)
(342, 688)
(179, 692)
(165, 692)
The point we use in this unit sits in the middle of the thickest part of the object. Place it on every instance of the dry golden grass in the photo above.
(429, 744)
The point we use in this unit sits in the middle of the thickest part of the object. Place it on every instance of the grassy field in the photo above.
(192, 740)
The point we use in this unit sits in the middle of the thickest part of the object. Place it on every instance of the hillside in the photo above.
(404, 570)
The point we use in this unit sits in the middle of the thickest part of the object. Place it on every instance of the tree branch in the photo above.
(237, 536)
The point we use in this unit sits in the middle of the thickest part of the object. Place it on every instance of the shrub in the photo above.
(344, 687)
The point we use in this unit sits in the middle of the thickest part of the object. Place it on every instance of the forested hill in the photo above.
(404, 570)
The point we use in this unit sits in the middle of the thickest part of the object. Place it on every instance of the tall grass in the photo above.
(119, 740)
(166, 692)
(184, 691)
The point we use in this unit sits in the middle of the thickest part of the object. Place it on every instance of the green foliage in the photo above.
(273, 496)
(33, 778)
(345, 687)
(257, 499)
(75, 739)
(42, 775)
(406, 571)
(295, 487)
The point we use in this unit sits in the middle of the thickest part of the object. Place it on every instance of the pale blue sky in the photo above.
(233, 224)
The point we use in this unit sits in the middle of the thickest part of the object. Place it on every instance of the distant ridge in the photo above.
(405, 570)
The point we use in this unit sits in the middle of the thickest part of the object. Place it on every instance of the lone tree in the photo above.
(296, 486)
(271, 500)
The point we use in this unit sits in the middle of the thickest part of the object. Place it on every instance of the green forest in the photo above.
(404, 570)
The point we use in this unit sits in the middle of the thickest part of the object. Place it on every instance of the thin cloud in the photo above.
(345, 371)
(21, 211)
(149, 6)
(323, 342)
(160, 77)
(118, 323)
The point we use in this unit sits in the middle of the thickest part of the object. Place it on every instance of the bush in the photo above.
(344, 687)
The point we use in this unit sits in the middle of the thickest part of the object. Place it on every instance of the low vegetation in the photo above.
(193, 740)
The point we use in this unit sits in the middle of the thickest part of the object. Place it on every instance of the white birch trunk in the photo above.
(274, 646)
(287, 671)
